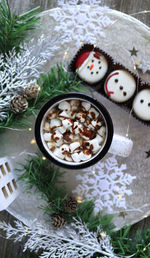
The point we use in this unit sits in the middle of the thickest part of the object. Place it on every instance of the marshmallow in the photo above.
(86, 133)
(57, 136)
(77, 127)
(86, 105)
(94, 123)
(76, 137)
(85, 155)
(61, 129)
(67, 123)
(64, 105)
(68, 158)
(76, 157)
(81, 116)
(74, 104)
(64, 147)
(54, 123)
(51, 146)
(63, 115)
(52, 114)
(102, 131)
(47, 137)
(93, 113)
(94, 146)
(74, 147)
(59, 143)
(58, 153)
(99, 139)
(46, 126)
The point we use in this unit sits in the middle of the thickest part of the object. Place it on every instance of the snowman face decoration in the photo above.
(141, 105)
(91, 66)
(120, 86)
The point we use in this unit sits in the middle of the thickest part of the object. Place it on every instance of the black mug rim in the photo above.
(93, 101)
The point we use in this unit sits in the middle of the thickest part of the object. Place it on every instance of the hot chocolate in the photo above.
(73, 130)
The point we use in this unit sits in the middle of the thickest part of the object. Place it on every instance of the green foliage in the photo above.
(42, 175)
(85, 211)
(14, 28)
(126, 245)
(56, 82)
(48, 183)
(31, 255)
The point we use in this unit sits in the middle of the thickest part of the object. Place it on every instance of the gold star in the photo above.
(133, 51)
(123, 214)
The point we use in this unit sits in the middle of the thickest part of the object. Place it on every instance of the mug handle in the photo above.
(121, 146)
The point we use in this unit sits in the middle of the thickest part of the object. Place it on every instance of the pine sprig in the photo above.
(125, 244)
(47, 180)
(14, 28)
(57, 81)
(42, 175)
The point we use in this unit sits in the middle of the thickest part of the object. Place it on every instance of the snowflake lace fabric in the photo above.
(106, 183)
(80, 24)
(113, 183)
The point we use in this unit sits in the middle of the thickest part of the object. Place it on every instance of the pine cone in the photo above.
(58, 220)
(70, 204)
(31, 91)
(18, 104)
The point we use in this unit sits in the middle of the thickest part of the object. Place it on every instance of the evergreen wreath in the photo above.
(39, 173)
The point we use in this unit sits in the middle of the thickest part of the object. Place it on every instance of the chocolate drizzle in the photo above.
(82, 126)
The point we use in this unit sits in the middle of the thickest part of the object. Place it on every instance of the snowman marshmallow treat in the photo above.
(91, 66)
(120, 86)
(141, 105)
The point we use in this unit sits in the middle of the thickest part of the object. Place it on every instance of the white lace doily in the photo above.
(119, 185)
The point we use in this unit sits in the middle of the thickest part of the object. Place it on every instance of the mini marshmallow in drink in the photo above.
(64, 105)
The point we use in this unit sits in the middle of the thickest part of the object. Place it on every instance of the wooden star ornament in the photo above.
(133, 51)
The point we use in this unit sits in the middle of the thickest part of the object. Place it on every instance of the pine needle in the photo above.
(14, 28)
(56, 82)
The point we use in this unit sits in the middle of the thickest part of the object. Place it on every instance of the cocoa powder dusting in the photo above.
(88, 133)
(92, 114)
(86, 152)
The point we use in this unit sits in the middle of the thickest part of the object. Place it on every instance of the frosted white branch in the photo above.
(19, 70)
(71, 241)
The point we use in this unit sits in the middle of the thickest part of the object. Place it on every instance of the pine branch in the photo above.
(14, 28)
(50, 188)
(126, 245)
(56, 82)
(42, 175)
